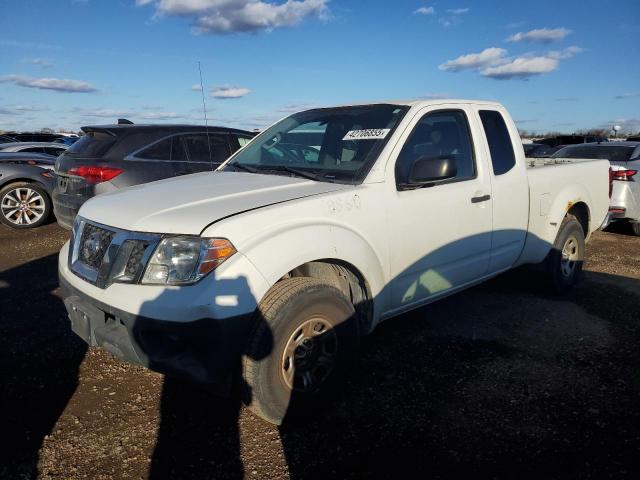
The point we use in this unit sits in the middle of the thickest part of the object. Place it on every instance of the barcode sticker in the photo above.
(370, 134)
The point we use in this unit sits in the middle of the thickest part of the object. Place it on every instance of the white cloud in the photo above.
(296, 107)
(494, 63)
(40, 62)
(521, 67)
(425, 11)
(489, 56)
(227, 91)
(29, 108)
(196, 87)
(159, 115)
(458, 11)
(229, 16)
(57, 84)
(566, 53)
(541, 35)
(624, 96)
(435, 96)
(102, 112)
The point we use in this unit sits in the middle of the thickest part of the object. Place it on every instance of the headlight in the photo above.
(183, 260)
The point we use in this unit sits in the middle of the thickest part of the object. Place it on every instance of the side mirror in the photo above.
(427, 169)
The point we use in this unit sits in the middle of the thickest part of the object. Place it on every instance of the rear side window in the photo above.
(92, 145)
(158, 151)
(503, 157)
(197, 147)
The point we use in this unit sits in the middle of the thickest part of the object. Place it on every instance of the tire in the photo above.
(16, 212)
(564, 262)
(635, 228)
(288, 318)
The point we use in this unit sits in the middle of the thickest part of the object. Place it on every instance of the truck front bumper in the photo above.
(206, 351)
(196, 332)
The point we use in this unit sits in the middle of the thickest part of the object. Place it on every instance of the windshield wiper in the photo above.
(293, 171)
(240, 166)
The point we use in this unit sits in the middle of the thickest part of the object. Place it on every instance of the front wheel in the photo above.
(24, 205)
(303, 343)
(564, 262)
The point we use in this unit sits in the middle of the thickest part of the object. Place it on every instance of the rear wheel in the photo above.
(24, 205)
(564, 262)
(635, 228)
(303, 343)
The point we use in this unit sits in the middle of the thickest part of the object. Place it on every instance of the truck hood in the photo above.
(186, 205)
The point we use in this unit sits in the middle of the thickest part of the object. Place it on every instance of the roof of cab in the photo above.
(420, 102)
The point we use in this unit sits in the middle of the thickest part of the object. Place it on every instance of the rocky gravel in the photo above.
(501, 381)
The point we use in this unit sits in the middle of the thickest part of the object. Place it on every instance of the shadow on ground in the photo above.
(39, 361)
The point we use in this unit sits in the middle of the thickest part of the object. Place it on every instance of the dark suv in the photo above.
(110, 157)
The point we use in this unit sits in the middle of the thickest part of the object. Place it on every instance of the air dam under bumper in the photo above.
(206, 351)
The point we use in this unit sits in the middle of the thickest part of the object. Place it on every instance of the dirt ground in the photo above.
(500, 381)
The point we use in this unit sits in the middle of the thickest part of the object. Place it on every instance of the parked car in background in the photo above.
(537, 150)
(26, 184)
(571, 140)
(67, 140)
(49, 148)
(34, 136)
(624, 158)
(6, 139)
(109, 157)
(273, 266)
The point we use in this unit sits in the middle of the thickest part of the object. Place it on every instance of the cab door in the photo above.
(440, 231)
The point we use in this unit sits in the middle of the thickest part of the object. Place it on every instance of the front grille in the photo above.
(93, 245)
(104, 255)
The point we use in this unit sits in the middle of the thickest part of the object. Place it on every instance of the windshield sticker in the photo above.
(370, 134)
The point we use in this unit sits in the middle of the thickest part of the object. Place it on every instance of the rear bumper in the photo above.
(66, 207)
(625, 201)
(205, 351)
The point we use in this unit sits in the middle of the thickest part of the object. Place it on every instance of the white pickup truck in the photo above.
(329, 222)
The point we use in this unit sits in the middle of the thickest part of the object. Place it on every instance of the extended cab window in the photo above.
(438, 135)
(503, 157)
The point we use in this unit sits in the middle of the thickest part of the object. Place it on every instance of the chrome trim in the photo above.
(103, 277)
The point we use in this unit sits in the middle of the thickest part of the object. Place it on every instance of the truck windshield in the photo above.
(326, 144)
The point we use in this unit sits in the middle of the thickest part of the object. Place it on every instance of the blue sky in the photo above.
(556, 65)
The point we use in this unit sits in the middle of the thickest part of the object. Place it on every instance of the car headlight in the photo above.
(182, 260)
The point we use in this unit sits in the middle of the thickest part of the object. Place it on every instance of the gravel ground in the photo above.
(500, 381)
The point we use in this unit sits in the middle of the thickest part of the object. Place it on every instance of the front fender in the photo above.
(277, 250)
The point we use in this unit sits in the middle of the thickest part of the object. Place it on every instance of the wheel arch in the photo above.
(331, 252)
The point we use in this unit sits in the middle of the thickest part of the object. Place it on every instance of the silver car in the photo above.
(48, 148)
(625, 163)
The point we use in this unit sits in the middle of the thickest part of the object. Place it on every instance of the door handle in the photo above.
(480, 199)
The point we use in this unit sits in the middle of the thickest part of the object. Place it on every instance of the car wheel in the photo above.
(303, 342)
(635, 228)
(564, 262)
(24, 205)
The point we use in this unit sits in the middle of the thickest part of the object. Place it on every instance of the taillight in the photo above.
(95, 174)
(610, 182)
(624, 175)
